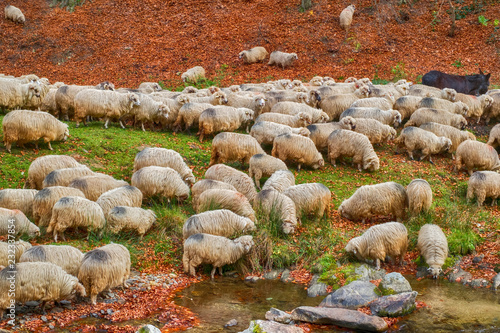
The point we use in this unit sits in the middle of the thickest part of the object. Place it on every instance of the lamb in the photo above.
(255, 54)
(240, 180)
(482, 185)
(273, 206)
(148, 110)
(351, 144)
(263, 165)
(428, 91)
(37, 281)
(67, 257)
(63, 177)
(163, 181)
(10, 252)
(44, 165)
(478, 155)
(225, 199)
(477, 105)
(299, 149)
(494, 138)
(320, 132)
(45, 200)
(216, 250)
(193, 74)
(93, 186)
(207, 184)
(406, 105)
(129, 196)
(426, 115)
(104, 268)
(389, 117)
(14, 14)
(18, 199)
(371, 200)
(103, 104)
(310, 198)
(419, 196)
(231, 147)
(282, 59)
(130, 218)
(165, 158)
(454, 134)
(15, 223)
(221, 222)
(334, 105)
(301, 119)
(379, 241)
(385, 102)
(414, 138)
(189, 115)
(265, 131)
(23, 126)
(74, 212)
(280, 180)
(433, 246)
(293, 108)
(15, 95)
(443, 104)
(345, 17)
(223, 118)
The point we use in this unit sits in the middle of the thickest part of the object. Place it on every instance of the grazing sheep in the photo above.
(351, 144)
(48, 103)
(482, 185)
(37, 281)
(217, 98)
(63, 177)
(148, 110)
(225, 199)
(207, 184)
(43, 165)
(494, 138)
(231, 147)
(389, 117)
(406, 105)
(189, 115)
(240, 180)
(428, 91)
(379, 241)
(419, 196)
(280, 180)
(320, 132)
(67, 257)
(299, 149)
(254, 103)
(433, 246)
(301, 119)
(45, 200)
(265, 131)
(74, 212)
(162, 181)
(10, 252)
(14, 95)
(223, 118)
(221, 222)
(334, 105)
(129, 196)
(104, 268)
(310, 198)
(263, 165)
(165, 158)
(374, 130)
(93, 186)
(273, 205)
(23, 126)
(216, 250)
(174, 104)
(18, 199)
(294, 108)
(345, 17)
(415, 138)
(276, 96)
(396, 90)
(316, 81)
(455, 135)
(193, 74)
(385, 102)
(255, 54)
(476, 155)
(14, 222)
(130, 218)
(477, 105)
(282, 59)
(494, 110)
(426, 115)
(443, 104)
(14, 14)
(379, 199)
(149, 87)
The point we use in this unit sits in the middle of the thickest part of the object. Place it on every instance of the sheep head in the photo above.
(133, 99)
(486, 101)
(246, 241)
(450, 94)
(288, 227)
(445, 144)
(435, 271)
(462, 123)
(397, 118)
(464, 108)
(78, 289)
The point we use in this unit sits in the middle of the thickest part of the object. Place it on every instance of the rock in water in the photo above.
(355, 295)
(148, 329)
(264, 326)
(394, 283)
(394, 305)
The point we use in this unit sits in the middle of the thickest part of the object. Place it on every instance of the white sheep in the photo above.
(482, 185)
(282, 59)
(15, 95)
(454, 134)
(263, 165)
(477, 105)
(387, 117)
(310, 198)
(419, 196)
(294, 108)
(334, 105)
(14, 14)
(223, 118)
(351, 144)
(254, 103)
(299, 149)
(130, 218)
(415, 138)
(406, 105)
(220, 222)
(10, 252)
(476, 155)
(45, 199)
(385, 102)
(189, 115)
(320, 132)
(443, 104)
(148, 110)
(93, 186)
(129, 196)
(18, 199)
(240, 180)
(428, 91)
(162, 181)
(433, 246)
(67, 257)
(149, 87)
(255, 54)
(301, 119)
(265, 131)
(193, 74)
(276, 96)
(174, 104)
(63, 177)
(207, 184)
(426, 115)
(494, 137)
(225, 199)
(43, 165)
(494, 110)
(232, 147)
(345, 17)
(14, 222)
(272, 205)
(374, 130)
(280, 180)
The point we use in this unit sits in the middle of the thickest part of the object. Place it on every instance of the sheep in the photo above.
(14, 14)
(10, 252)
(240, 180)
(23, 126)
(482, 185)
(254, 103)
(478, 155)
(63, 177)
(379, 241)
(293, 108)
(93, 186)
(221, 222)
(216, 250)
(426, 115)
(454, 134)
(374, 130)
(174, 104)
(301, 119)
(129, 196)
(48, 103)
(255, 54)
(193, 74)
(345, 17)
(225, 199)
(316, 81)
(15, 95)
(148, 110)
(385, 102)
(74, 212)
(494, 137)
(222, 119)
(163, 181)
(396, 90)
(406, 105)
(477, 105)
(351, 144)
(36, 281)
(206, 184)
(149, 87)
(18, 199)
(433, 246)
(443, 104)
(273, 206)
(415, 138)
(280, 180)
(334, 105)
(428, 91)
(104, 268)
(265, 131)
(282, 59)
(299, 149)
(45, 200)
(310, 198)
(275, 97)
(165, 158)
(494, 110)
(44, 165)
(130, 218)
(379, 199)
(419, 196)
(15, 223)
(320, 132)
(67, 257)
(104, 104)
(217, 98)
(189, 115)
(389, 117)
(231, 147)
(263, 165)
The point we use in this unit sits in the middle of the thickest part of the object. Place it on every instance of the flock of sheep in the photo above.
(302, 122)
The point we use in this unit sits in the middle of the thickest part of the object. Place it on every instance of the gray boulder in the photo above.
(316, 288)
(457, 274)
(355, 295)
(279, 316)
(394, 305)
(264, 326)
(272, 274)
(495, 282)
(394, 283)
(148, 329)
(367, 273)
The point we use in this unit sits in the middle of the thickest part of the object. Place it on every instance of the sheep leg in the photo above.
(55, 235)
(106, 123)
(410, 154)
(142, 125)
(377, 264)
(298, 167)
(8, 146)
(50, 147)
(43, 307)
(213, 272)
(333, 162)
(220, 271)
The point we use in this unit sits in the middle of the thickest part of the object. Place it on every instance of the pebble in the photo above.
(44, 319)
(110, 311)
(51, 327)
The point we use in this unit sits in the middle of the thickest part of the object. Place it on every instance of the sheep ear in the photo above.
(429, 269)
